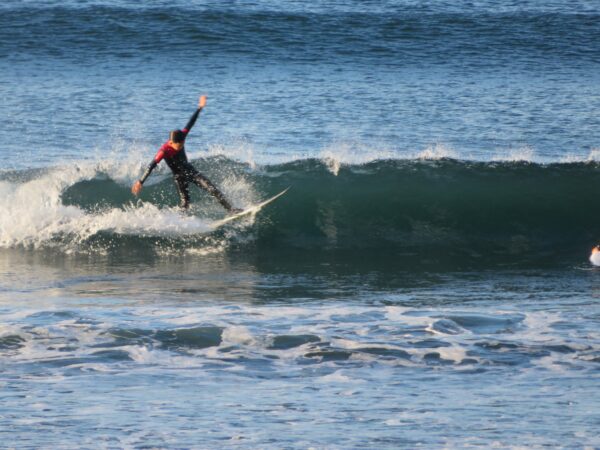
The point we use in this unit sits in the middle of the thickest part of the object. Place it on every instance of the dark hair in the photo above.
(177, 136)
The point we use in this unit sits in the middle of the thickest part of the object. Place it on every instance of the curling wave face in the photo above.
(441, 210)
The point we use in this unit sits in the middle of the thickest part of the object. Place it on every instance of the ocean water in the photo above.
(425, 282)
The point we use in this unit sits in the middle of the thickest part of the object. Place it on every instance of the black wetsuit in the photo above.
(183, 172)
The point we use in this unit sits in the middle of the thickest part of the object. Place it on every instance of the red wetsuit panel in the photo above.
(166, 151)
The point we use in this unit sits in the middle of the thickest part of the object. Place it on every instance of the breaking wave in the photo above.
(421, 209)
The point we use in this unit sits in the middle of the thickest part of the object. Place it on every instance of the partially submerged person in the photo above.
(173, 152)
(595, 256)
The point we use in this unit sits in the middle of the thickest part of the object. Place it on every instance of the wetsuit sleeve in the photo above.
(158, 158)
(192, 121)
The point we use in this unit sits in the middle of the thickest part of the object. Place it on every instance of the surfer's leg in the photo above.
(183, 191)
(206, 184)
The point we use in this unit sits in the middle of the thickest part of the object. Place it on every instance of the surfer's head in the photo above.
(176, 138)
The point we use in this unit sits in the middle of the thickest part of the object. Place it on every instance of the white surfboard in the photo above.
(248, 211)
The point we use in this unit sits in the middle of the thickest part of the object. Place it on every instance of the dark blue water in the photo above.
(480, 79)
(425, 281)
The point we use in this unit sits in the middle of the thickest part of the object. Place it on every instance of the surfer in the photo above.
(173, 152)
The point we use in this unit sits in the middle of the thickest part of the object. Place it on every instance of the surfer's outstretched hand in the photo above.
(136, 188)
(202, 102)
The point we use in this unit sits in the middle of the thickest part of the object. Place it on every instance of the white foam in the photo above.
(336, 155)
(239, 335)
(33, 213)
(399, 314)
(163, 358)
(592, 156)
(437, 151)
(394, 422)
(239, 151)
(538, 326)
(551, 363)
(455, 354)
(9, 330)
(522, 154)
(338, 377)
(339, 154)
(206, 250)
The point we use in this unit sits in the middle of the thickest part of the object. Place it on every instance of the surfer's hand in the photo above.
(202, 102)
(136, 188)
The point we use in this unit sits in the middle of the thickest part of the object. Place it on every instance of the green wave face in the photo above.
(448, 212)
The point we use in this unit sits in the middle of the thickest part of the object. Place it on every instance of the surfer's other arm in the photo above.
(137, 186)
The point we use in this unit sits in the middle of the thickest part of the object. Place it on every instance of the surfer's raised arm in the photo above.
(192, 121)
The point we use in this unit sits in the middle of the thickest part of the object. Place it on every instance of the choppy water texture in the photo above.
(424, 283)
